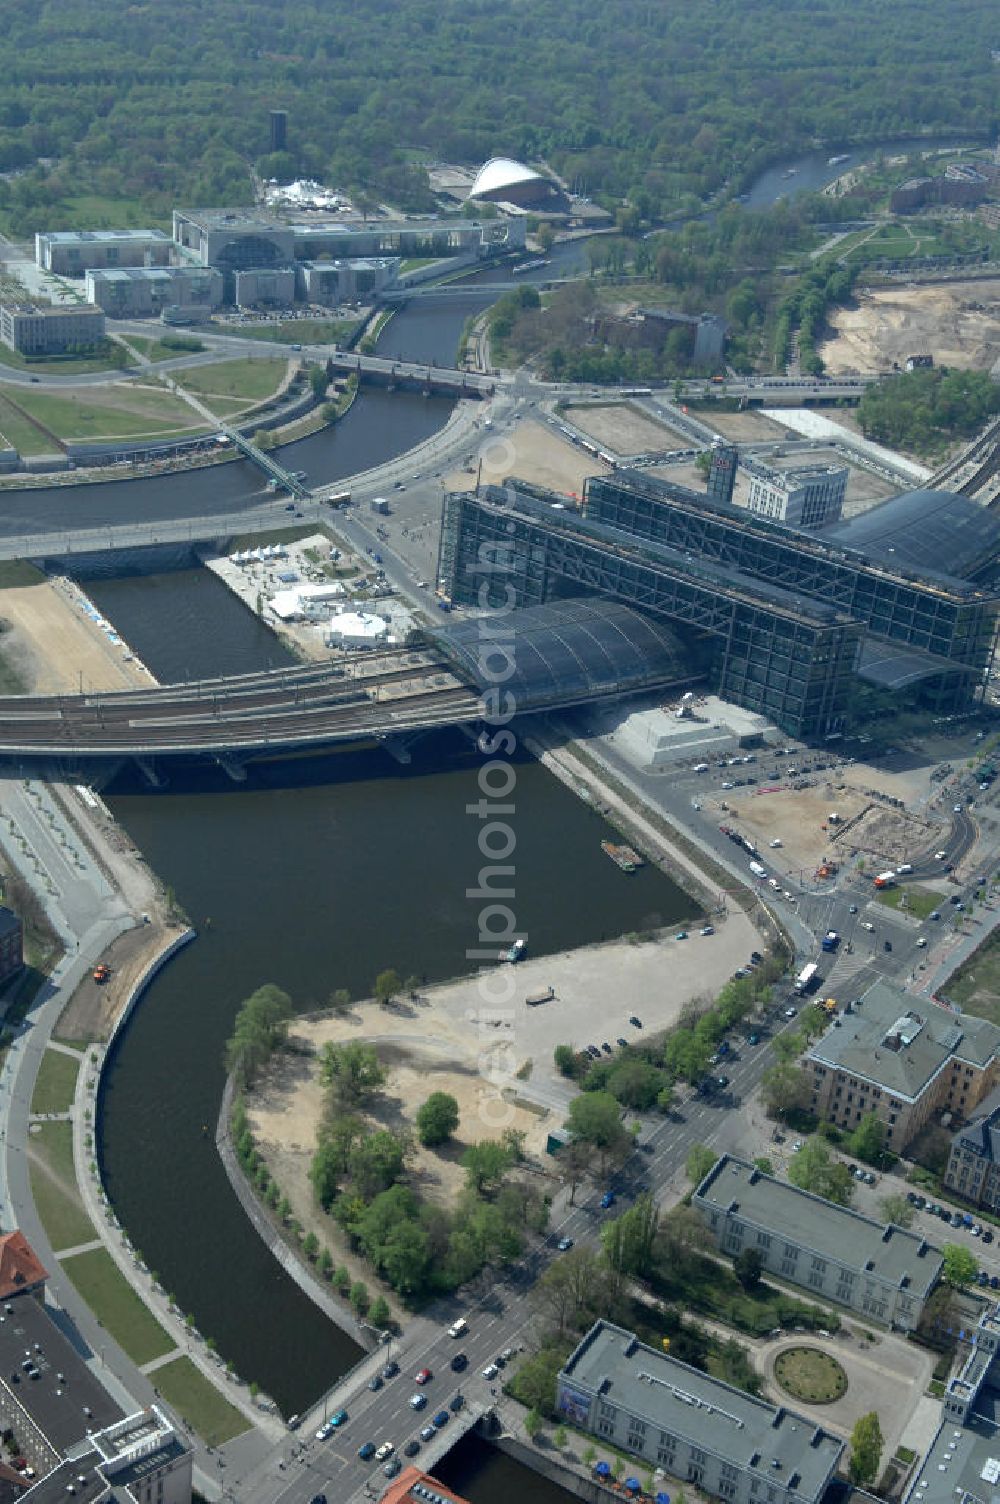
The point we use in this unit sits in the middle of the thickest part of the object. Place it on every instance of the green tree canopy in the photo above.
(813, 1168)
(437, 1118)
(699, 1161)
(960, 1267)
(866, 1449)
(352, 1070)
(748, 1266)
(260, 1028)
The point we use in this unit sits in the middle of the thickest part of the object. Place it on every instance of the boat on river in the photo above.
(623, 856)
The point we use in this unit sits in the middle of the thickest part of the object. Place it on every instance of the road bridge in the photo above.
(392, 372)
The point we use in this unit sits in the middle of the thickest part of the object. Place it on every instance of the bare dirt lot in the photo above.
(92, 1010)
(625, 429)
(956, 322)
(535, 454)
(746, 426)
(55, 646)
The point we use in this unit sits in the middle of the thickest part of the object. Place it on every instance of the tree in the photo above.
(387, 984)
(572, 1289)
(565, 1059)
(628, 1240)
(324, 1173)
(359, 1296)
(412, 984)
(310, 1245)
(437, 1119)
(325, 1263)
(595, 1119)
(376, 1160)
(867, 1141)
(352, 1070)
(260, 1028)
(784, 1088)
(866, 1449)
(318, 381)
(380, 1315)
(960, 1267)
(812, 1168)
(748, 1267)
(532, 1423)
(699, 1161)
(895, 1208)
(340, 1000)
(485, 1164)
(764, 1165)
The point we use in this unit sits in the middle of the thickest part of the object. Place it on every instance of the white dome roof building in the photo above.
(501, 180)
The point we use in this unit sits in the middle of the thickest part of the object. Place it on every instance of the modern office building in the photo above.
(878, 1270)
(725, 1442)
(264, 287)
(807, 496)
(145, 291)
(141, 1459)
(11, 946)
(235, 239)
(70, 253)
(345, 281)
(903, 1058)
(34, 329)
(973, 1170)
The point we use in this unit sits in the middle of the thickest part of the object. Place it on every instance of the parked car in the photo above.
(459, 1362)
(608, 1199)
(412, 1448)
(339, 1418)
(564, 1245)
(456, 1402)
(418, 1401)
(441, 1419)
(375, 1382)
(390, 1370)
(427, 1433)
(392, 1467)
(490, 1371)
(366, 1451)
(384, 1451)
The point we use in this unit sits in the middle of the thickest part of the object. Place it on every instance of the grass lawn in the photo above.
(161, 349)
(254, 378)
(294, 332)
(61, 1214)
(116, 1305)
(912, 900)
(53, 1142)
(109, 357)
(53, 1186)
(55, 1083)
(127, 413)
(810, 1375)
(703, 1285)
(15, 573)
(208, 1412)
(18, 433)
(975, 987)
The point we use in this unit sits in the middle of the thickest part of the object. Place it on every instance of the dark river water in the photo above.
(314, 876)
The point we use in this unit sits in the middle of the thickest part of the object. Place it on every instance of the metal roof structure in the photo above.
(939, 534)
(499, 174)
(893, 665)
(564, 651)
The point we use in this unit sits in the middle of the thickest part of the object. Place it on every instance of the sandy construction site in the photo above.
(956, 322)
(533, 453)
(57, 648)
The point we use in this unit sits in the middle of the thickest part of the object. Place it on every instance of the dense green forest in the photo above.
(924, 410)
(656, 100)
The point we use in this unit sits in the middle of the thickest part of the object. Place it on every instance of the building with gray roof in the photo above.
(973, 1170)
(903, 1058)
(137, 291)
(726, 1442)
(877, 1269)
(806, 496)
(70, 253)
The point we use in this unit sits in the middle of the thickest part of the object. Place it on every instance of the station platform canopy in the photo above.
(566, 652)
(894, 665)
(936, 534)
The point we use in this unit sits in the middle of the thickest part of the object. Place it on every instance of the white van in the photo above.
(458, 1328)
(901, 871)
(700, 767)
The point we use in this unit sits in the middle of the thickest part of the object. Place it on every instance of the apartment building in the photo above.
(973, 1170)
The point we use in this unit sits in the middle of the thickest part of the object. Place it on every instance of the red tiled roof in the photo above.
(399, 1491)
(20, 1270)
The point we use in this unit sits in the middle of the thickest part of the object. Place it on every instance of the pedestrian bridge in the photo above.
(483, 669)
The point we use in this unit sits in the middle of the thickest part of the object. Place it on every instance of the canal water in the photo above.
(313, 876)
